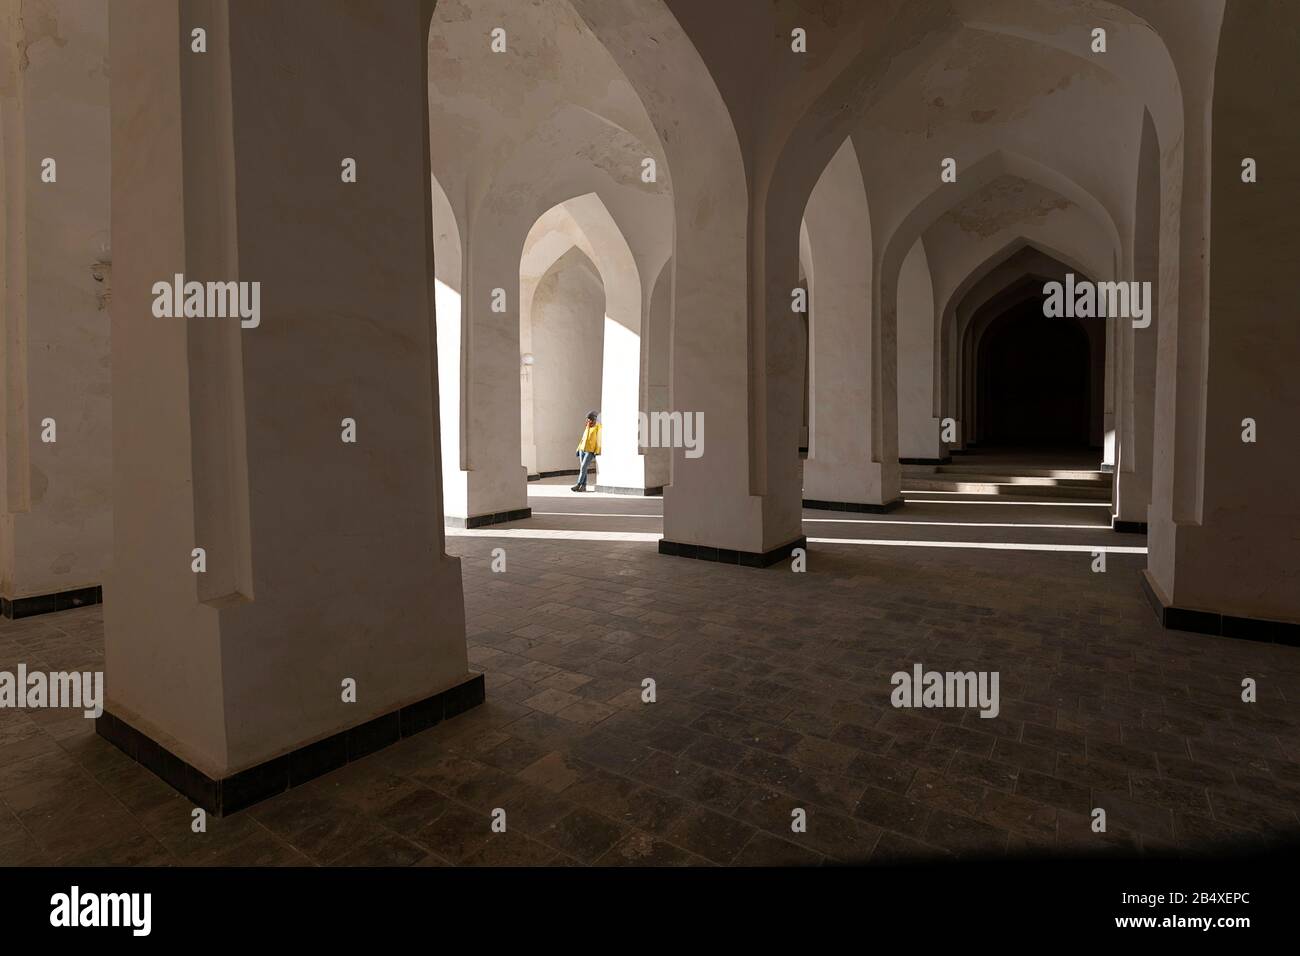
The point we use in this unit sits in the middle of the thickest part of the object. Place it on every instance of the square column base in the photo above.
(240, 790)
(750, 559)
(48, 603)
(1128, 527)
(814, 504)
(1212, 622)
(480, 521)
(643, 492)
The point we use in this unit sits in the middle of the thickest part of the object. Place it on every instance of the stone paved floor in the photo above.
(772, 694)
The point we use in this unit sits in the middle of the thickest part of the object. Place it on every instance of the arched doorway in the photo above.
(567, 332)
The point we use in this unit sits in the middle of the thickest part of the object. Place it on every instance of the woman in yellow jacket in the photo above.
(588, 449)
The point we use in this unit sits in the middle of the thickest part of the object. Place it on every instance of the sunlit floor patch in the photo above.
(1047, 503)
(591, 514)
(959, 524)
(544, 534)
(980, 545)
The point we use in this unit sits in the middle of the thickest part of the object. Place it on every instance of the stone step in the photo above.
(1064, 473)
(1027, 480)
(996, 476)
(1087, 491)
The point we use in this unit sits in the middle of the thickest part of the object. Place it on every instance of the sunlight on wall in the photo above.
(978, 545)
(447, 311)
(620, 465)
(650, 536)
(960, 524)
(544, 534)
(926, 524)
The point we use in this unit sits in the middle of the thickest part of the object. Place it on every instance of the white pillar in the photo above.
(493, 478)
(325, 560)
(840, 469)
(1225, 518)
(56, 517)
(1138, 351)
(918, 428)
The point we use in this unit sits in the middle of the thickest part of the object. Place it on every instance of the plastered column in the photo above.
(1137, 368)
(56, 515)
(839, 467)
(918, 429)
(325, 560)
(1178, 450)
(884, 376)
(740, 496)
(656, 351)
(495, 480)
(1233, 551)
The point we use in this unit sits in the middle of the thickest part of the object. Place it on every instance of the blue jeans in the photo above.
(587, 460)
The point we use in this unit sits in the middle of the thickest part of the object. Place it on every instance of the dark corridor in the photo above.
(1033, 376)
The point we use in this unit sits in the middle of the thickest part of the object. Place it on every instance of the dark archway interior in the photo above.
(1034, 380)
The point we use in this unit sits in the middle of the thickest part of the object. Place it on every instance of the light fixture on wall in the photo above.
(526, 359)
